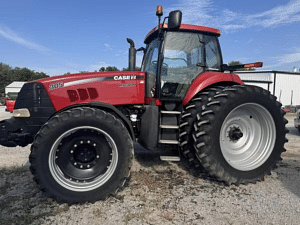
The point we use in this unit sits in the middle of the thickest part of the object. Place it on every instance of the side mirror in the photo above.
(174, 20)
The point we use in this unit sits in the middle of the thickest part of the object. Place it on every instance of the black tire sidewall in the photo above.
(66, 121)
(249, 95)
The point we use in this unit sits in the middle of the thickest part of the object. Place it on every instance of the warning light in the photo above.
(159, 10)
(257, 64)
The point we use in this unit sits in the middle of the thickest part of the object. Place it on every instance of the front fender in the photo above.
(109, 108)
(207, 79)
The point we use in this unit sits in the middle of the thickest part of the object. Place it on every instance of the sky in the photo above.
(61, 36)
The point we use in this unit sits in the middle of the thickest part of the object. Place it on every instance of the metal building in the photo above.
(283, 84)
(14, 87)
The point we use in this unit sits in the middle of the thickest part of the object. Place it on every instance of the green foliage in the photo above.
(109, 68)
(136, 69)
(9, 75)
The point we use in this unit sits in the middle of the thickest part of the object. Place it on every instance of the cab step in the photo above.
(169, 126)
(170, 112)
(170, 158)
(172, 142)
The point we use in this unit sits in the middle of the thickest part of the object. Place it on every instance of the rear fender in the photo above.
(207, 79)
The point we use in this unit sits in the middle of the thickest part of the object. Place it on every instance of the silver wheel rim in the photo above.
(247, 136)
(72, 184)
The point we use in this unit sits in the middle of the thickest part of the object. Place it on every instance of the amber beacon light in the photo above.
(159, 10)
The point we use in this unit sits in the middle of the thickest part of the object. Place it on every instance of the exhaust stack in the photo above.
(132, 55)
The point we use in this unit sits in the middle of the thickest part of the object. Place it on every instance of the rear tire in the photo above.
(80, 155)
(241, 134)
(186, 128)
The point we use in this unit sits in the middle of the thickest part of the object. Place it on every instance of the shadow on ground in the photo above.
(148, 158)
(289, 174)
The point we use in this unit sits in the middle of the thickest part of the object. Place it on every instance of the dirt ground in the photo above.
(158, 193)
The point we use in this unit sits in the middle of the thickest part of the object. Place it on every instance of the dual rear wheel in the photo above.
(239, 134)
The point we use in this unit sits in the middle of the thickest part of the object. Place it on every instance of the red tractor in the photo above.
(185, 101)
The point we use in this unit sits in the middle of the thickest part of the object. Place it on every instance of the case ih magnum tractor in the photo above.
(185, 101)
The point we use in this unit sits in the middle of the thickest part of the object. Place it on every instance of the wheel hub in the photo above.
(235, 133)
(84, 153)
(78, 156)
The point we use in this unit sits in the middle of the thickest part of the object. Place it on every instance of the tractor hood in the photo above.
(116, 88)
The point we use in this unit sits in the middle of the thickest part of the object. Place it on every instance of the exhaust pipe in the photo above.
(132, 55)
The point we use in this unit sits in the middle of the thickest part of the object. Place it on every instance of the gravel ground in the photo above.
(158, 193)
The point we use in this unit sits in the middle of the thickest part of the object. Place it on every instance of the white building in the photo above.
(283, 84)
(14, 87)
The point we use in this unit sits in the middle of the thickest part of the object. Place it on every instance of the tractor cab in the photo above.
(174, 58)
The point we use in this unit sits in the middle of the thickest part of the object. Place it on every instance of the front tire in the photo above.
(80, 155)
(240, 136)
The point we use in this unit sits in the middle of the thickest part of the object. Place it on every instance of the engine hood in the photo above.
(82, 78)
(115, 88)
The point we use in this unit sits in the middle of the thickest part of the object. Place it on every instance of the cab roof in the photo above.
(184, 27)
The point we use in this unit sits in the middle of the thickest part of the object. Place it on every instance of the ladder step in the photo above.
(169, 126)
(169, 158)
(171, 112)
(173, 142)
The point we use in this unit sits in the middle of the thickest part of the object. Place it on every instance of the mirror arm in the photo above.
(141, 49)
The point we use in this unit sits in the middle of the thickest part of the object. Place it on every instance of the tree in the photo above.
(109, 68)
(136, 69)
(234, 63)
(9, 75)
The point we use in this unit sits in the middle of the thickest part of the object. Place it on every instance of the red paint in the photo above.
(199, 28)
(10, 105)
(115, 88)
(206, 79)
(156, 101)
(187, 27)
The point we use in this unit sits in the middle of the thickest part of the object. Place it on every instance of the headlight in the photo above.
(21, 113)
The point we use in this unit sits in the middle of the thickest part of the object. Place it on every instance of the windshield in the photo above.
(185, 57)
